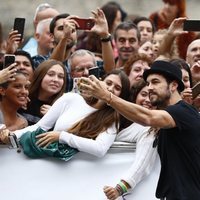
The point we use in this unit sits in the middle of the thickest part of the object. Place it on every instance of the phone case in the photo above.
(94, 71)
(196, 90)
(8, 60)
(19, 24)
(191, 25)
(84, 24)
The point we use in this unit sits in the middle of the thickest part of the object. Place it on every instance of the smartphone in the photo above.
(14, 142)
(196, 90)
(94, 71)
(76, 85)
(84, 23)
(8, 60)
(191, 25)
(19, 25)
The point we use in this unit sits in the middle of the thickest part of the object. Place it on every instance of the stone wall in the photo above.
(10, 9)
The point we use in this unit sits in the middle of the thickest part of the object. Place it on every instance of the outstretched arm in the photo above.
(133, 112)
(97, 147)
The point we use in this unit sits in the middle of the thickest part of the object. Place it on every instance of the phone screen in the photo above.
(19, 24)
(8, 60)
(191, 25)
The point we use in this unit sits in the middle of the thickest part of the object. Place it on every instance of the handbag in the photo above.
(56, 149)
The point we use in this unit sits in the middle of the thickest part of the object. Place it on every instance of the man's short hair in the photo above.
(55, 19)
(40, 26)
(127, 25)
(21, 52)
(81, 52)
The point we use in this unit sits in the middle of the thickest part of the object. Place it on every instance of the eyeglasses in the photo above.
(81, 69)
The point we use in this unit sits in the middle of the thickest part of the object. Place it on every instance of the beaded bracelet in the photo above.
(119, 189)
(123, 186)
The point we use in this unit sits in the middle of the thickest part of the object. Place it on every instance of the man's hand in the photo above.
(95, 87)
(101, 25)
(69, 30)
(13, 42)
(176, 27)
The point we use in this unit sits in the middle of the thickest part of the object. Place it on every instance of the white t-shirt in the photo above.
(65, 112)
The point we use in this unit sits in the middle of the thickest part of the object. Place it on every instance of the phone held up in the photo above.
(19, 25)
(94, 71)
(84, 23)
(191, 25)
(196, 90)
(8, 60)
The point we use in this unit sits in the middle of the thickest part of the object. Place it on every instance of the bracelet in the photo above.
(119, 189)
(110, 100)
(123, 186)
(106, 39)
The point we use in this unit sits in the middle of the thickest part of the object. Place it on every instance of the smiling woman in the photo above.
(13, 96)
(49, 82)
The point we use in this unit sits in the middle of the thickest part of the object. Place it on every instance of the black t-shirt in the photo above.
(32, 113)
(179, 151)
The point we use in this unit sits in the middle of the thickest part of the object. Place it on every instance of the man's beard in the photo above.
(161, 101)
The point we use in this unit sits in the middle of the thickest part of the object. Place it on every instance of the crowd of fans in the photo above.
(37, 90)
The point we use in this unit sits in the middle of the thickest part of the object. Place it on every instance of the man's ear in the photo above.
(174, 86)
(2, 91)
(37, 36)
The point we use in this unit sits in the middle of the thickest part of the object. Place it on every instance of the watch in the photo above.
(106, 39)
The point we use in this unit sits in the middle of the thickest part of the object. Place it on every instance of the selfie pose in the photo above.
(178, 139)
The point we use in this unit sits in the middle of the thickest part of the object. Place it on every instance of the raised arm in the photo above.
(174, 30)
(101, 29)
(63, 49)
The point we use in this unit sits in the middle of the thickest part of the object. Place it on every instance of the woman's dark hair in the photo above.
(110, 11)
(139, 19)
(136, 90)
(123, 13)
(86, 128)
(181, 63)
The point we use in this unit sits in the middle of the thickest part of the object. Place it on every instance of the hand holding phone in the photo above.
(8, 60)
(19, 25)
(196, 90)
(84, 23)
